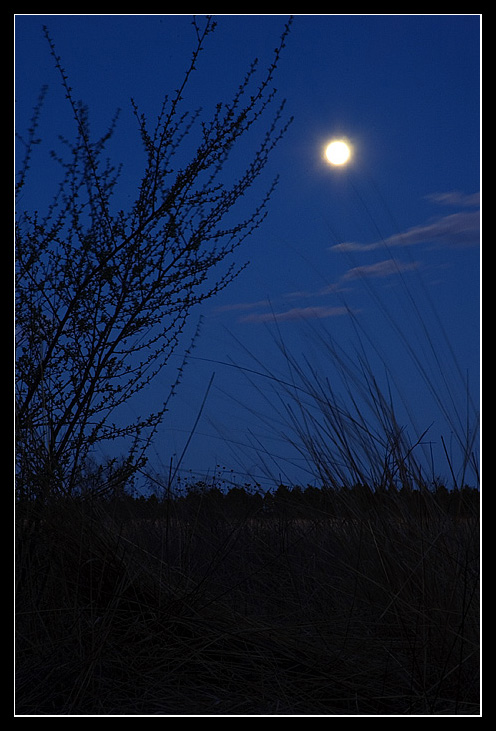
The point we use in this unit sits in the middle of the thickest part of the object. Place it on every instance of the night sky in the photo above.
(393, 233)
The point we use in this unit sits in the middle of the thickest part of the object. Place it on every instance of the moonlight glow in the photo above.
(338, 152)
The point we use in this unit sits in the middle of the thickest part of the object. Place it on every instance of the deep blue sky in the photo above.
(405, 91)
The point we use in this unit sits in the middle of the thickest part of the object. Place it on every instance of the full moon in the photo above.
(337, 152)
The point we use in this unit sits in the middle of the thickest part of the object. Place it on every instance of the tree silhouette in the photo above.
(103, 294)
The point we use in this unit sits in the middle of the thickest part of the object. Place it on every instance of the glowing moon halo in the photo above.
(337, 152)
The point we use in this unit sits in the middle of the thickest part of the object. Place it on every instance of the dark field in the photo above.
(299, 603)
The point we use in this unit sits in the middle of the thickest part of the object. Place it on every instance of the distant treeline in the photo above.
(314, 502)
(242, 502)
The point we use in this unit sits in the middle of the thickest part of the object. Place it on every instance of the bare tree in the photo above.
(102, 294)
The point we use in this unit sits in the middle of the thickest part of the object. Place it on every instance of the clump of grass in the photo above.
(346, 421)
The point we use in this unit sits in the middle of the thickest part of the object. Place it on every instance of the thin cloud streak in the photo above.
(242, 306)
(386, 268)
(459, 230)
(381, 269)
(334, 288)
(455, 198)
(297, 313)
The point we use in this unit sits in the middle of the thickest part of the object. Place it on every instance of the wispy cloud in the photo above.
(297, 313)
(242, 306)
(458, 230)
(333, 288)
(456, 199)
(381, 269)
(386, 268)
